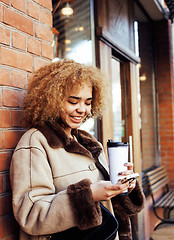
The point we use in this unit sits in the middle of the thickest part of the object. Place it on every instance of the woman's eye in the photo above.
(72, 102)
(88, 103)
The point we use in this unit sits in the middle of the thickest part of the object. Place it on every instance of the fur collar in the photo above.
(87, 145)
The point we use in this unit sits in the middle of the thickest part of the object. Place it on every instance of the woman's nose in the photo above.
(81, 108)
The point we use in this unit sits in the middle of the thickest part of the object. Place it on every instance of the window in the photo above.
(72, 30)
(73, 36)
(119, 100)
(149, 131)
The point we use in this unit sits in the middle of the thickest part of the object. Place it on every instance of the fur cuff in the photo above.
(132, 203)
(87, 213)
(125, 237)
(124, 230)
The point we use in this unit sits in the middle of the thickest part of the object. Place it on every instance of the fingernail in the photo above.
(126, 164)
(119, 173)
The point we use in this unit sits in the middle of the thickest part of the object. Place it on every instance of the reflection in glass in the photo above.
(88, 126)
(116, 99)
(73, 25)
(72, 36)
(147, 99)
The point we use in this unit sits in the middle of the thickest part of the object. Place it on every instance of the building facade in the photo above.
(131, 41)
(25, 45)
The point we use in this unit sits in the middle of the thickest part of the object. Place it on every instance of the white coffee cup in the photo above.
(118, 156)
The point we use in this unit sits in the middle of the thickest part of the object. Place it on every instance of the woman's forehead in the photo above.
(84, 87)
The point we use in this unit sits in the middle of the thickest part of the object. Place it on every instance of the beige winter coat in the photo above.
(50, 178)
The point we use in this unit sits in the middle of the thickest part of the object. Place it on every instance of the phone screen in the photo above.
(130, 178)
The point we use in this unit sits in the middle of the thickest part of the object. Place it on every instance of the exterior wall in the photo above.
(25, 45)
(165, 93)
(150, 220)
(111, 16)
(162, 39)
(165, 108)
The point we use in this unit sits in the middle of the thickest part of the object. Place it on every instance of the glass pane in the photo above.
(88, 126)
(116, 99)
(72, 36)
(149, 135)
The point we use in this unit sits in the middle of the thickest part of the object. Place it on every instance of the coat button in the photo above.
(92, 167)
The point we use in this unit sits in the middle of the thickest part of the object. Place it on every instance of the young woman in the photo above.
(59, 173)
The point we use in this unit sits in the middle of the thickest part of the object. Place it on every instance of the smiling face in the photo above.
(76, 108)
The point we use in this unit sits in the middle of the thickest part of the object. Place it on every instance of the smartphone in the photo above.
(130, 178)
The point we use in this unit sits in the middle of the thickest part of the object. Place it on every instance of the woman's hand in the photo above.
(105, 190)
(128, 172)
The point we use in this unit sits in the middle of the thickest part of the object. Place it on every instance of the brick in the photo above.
(171, 166)
(33, 10)
(12, 138)
(13, 237)
(5, 35)
(18, 21)
(2, 228)
(18, 79)
(17, 118)
(5, 159)
(16, 59)
(6, 1)
(47, 50)
(45, 3)
(29, 77)
(5, 203)
(4, 77)
(39, 62)
(11, 226)
(7, 183)
(1, 188)
(4, 118)
(45, 17)
(43, 32)
(0, 98)
(1, 140)
(19, 4)
(12, 98)
(18, 41)
(33, 46)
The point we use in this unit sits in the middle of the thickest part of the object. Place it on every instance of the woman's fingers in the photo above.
(124, 173)
(129, 165)
(129, 171)
(132, 185)
(105, 190)
(118, 186)
(116, 189)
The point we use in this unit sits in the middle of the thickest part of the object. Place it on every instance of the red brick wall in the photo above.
(25, 45)
(161, 39)
(165, 91)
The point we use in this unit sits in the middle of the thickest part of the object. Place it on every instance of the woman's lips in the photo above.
(76, 119)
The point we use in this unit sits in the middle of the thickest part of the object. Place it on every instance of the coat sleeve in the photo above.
(132, 203)
(37, 207)
(126, 206)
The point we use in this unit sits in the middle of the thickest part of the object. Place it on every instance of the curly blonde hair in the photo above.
(53, 83)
